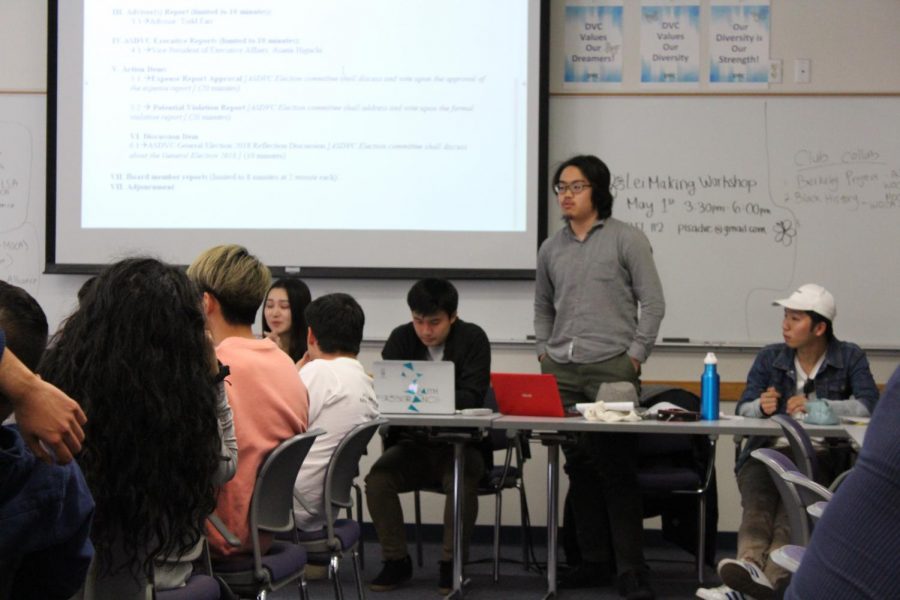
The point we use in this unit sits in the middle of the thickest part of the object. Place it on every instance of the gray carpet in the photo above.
(672, 576)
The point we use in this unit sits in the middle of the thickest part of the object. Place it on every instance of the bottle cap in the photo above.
(710, 359)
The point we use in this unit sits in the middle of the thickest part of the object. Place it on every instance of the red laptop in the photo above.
(527, 395)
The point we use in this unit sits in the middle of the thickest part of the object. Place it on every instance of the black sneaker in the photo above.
(635, 585)
(393, 573)
(585, 575)
(445, 576)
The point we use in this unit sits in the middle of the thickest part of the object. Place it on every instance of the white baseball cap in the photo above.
(811, 297)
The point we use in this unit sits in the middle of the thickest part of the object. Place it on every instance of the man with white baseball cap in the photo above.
(811, 364)
(811, 297)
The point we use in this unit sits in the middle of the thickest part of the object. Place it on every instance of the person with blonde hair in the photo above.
(267, 397)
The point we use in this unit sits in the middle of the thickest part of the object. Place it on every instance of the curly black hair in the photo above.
(136, 356)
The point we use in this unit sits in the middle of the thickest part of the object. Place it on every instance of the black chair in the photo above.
(329, 544)
(507, 476)
(676, 467)
(271, 510)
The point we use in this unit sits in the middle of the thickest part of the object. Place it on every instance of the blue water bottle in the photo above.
(709, 389)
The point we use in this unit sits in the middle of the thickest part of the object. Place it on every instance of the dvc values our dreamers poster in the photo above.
(593, 43)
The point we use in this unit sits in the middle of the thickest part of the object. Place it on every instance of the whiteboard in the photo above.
(22, 201)
(718, 287)
(746, 198)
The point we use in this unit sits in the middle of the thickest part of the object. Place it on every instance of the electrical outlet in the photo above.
(775, 70)
(802, 68)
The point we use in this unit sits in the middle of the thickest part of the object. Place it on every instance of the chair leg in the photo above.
(526, 532)
(418, 511)
(701, 536)
(304, 591)
(359, 520)
(333, 574)
(498, 515)
(360, 590)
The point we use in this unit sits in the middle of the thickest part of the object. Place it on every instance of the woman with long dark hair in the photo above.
(283, 319)
(159, 438)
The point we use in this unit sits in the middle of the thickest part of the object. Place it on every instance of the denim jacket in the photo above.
(844, 374)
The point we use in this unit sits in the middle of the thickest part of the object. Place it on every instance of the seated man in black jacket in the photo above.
(410, 461)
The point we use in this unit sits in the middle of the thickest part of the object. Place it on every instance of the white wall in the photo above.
(853, 47)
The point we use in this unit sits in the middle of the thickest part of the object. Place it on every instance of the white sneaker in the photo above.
(723, 592)
(746, 577)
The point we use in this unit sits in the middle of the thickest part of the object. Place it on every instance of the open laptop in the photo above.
(528, 395)
(415, 387)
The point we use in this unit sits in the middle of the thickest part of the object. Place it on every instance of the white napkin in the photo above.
(608, 412)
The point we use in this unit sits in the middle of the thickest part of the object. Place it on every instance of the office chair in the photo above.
(198, 587)
(680, 465)
(801, 445)
(788, 557)
(778, 464)
(338, 536)
(271, 510)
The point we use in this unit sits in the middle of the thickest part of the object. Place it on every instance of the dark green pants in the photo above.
(408, 466)
(603, 492)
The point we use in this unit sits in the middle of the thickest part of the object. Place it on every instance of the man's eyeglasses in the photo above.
(575, 187)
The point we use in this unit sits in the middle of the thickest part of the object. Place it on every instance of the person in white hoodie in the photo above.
(341, 395)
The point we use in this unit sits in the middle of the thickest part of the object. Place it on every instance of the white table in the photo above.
(551, 431)
(857, 433)
(456, 430)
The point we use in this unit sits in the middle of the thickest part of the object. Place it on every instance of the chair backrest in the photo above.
(664, 445)
(809, 491)
(498, 437)
(778, 464)
(801, 445)
(344, 467)
(816, 510)
(271, 506)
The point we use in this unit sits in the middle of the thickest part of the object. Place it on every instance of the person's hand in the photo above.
(45, 414)
(271, 335)
(636, 364)
(796, 404)
(768, 401)
(541, 357)
(304, 360)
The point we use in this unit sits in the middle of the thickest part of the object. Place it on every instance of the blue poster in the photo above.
(739, 44)
(670, 44)
(593, 44)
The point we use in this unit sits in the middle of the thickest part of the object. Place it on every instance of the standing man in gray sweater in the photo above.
(592, 276)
